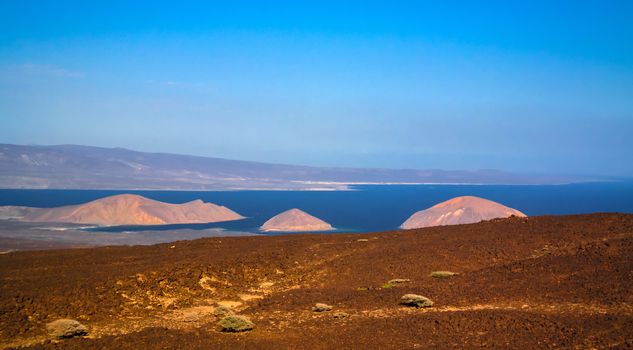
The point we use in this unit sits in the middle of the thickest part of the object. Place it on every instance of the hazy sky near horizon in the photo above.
(533, 86)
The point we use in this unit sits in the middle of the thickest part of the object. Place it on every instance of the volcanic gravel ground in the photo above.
(541, 282)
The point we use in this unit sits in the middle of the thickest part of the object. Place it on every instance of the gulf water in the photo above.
(365, 208)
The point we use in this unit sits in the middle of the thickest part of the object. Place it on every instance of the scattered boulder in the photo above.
(66, 328)
(340, 314)
(222, 311)
(416, 300)
(235, 323)
(442, 274)
(320, 307)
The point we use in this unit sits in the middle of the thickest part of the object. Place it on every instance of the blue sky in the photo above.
(537, 87)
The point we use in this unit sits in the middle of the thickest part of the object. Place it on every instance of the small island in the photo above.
(127, 209)
(295, 220)
(459, 210)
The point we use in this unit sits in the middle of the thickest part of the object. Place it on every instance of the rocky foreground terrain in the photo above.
(522, 283)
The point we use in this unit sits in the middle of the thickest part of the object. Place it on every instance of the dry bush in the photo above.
(320, 307)
(235, 323)
(416, 300)
(442, 274)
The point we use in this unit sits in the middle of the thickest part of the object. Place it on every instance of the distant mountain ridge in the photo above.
(85, 167)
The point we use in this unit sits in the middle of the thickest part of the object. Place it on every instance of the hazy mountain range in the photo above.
(84, 167)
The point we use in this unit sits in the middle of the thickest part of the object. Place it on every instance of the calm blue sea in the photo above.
(366, 208)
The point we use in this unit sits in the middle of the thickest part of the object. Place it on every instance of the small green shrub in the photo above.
(398, 281)
(235, 323)
(393, 282)
(416, 300)
(442, 274)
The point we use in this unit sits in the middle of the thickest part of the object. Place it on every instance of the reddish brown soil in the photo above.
(542, 282)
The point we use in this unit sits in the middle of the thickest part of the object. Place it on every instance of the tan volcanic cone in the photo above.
(459, 210)
(295, 220)
(130, 209)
